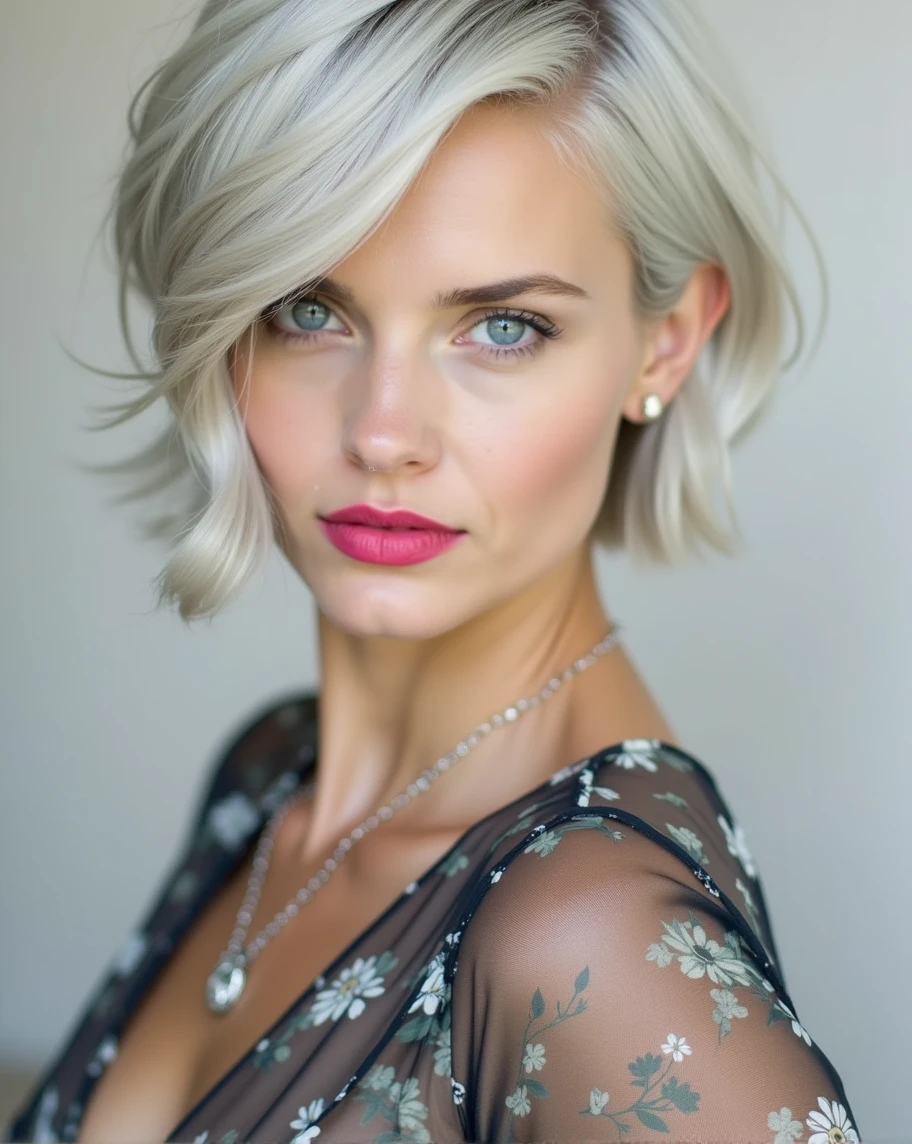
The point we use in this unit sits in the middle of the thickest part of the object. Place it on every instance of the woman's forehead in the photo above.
(493, 201)
(497, 159)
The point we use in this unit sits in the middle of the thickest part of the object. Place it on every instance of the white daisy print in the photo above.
(458, 1091)
(544, 844)
(699, 955)
(534, 1058)
(638, 753)
(410, 1111)
(674, 799)
(130, 954)
(443, 1053)
(677, 1046)
(831, 1125)
(737, 845)
(746, 894)
(43, 1131)
(306, 1129)
(184, 886)
(598, 1101)
(452, 865)
(727, 1006)
(660, 954)
(678, 763)
(379, 1077)
(278, 790)
(518, 1102)
(496, 875)
(432, 994)
(347, 992)
(784, 1126)
(202, 1138)
(103, 1056)
(797, 1028)
(691, 843)
(232, 820)
(587, 790)
(565, 772)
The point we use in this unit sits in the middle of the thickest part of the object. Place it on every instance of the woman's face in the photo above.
(497, 418)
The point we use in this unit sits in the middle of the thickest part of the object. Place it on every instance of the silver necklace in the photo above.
(227, 980)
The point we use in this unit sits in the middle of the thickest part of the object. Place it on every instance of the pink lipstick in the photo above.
(375, 536)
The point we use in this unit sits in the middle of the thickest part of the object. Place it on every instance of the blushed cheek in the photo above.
(551, 478)
(283, 430)
(276, 440)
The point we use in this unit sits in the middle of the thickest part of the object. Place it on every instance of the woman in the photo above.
(446, 292)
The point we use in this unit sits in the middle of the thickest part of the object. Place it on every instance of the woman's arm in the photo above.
(601, 993)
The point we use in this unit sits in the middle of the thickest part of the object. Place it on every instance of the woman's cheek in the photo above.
(284, 430)
(560, 461)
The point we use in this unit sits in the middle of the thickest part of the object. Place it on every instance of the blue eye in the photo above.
(505, 331)
(505, 328)
(310, 314)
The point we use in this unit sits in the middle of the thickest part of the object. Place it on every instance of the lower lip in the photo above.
(387, 545)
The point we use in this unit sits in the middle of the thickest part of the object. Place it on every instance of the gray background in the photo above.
(786, 671)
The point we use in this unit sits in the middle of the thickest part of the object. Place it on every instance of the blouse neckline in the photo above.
(303, 769)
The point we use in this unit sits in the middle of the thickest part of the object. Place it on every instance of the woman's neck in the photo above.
(389, 708)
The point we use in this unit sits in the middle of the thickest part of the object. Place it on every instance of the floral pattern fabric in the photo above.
(593, 961)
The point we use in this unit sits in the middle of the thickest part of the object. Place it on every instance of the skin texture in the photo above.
(517, 451)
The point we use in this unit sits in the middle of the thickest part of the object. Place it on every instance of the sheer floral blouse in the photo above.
(593, 961)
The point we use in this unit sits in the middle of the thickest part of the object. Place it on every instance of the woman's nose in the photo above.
(392, 414)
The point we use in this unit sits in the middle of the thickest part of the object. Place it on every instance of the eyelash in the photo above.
(547, 330)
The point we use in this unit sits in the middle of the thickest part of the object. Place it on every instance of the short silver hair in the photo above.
(281, 133)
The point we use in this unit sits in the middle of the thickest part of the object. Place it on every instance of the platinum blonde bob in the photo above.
(281, 133)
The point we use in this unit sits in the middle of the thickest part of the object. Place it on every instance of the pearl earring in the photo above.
(653, 406)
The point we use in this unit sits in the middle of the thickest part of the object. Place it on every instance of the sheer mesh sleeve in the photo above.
(602, 993)
(254, 769)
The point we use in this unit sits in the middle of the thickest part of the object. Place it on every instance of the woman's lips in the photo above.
(375, 517)
(391, 546)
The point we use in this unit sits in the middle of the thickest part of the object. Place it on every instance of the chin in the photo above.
(403, 611)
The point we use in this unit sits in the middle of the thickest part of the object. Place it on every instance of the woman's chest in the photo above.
(173, 1051)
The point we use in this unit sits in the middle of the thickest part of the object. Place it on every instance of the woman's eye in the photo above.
(306, 317)
(502, 333)
(514, 333)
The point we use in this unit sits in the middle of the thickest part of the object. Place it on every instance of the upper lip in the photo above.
(379, 518)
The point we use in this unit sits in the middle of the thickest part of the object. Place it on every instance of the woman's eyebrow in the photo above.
(473, 295)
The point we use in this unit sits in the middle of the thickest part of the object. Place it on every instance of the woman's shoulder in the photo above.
(656, 785)
(639, 813)
(618, 910)
(258, 763)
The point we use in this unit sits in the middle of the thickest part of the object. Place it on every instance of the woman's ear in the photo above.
(674, 342)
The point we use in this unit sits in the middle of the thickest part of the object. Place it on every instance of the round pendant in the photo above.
(225, 984)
